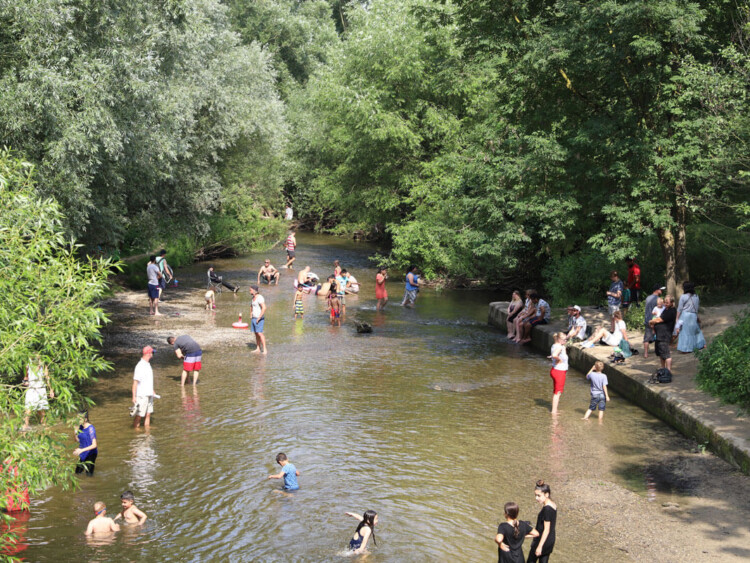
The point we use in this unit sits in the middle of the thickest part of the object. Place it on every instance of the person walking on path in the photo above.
(154, 286)
(87, 449)
(663, 327)
(614, 295)
(599, 393)
(510, 535)
(634, 281)
(514, 308)
(291, 247)
(689, 333)
(191, 355)
(258, 320)
(559, 357)
(268, 273)
(650, 303)
(544, 539)
(35, 399)
(380, 292)
(143, 389)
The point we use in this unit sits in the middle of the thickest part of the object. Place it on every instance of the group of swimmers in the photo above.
(102, 524)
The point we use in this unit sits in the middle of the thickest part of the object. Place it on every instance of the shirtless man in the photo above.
(303, 278)
(101, 524)
(268, 273)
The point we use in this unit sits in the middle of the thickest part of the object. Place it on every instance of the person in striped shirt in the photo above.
(290, 245)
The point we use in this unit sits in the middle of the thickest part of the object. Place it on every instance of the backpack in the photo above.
(662, 375)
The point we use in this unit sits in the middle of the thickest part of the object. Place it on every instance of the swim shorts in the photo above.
(153, 291)
(257, 324)
(290, 253)
(192, 363)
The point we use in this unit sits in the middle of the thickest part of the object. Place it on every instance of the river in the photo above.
(433, 420)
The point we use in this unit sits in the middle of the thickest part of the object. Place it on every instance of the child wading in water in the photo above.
(365, 529)
(335, 306)
(130, 513)
(544, 536)
(288, 472)
(101, 524)
(599, 394)
(510, 536)
(298, 308)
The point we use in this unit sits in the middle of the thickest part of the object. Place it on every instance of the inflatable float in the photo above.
(239, 324)
(307, 288)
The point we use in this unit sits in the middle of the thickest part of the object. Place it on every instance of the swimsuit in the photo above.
(298, 309)
(355, 544)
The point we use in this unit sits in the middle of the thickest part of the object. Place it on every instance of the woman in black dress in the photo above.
(544, 540)
(510, 536)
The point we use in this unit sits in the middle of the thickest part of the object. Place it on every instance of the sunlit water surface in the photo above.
(433, 420)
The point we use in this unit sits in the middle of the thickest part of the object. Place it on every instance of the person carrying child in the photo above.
(510, 535)
(130, 513)
(101, 524)
(288, 472)
(365, 529)
(599, 393)
(298, 307)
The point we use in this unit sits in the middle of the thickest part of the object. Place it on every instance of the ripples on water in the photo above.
(433, 420)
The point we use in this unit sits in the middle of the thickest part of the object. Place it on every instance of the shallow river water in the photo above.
(433, 420)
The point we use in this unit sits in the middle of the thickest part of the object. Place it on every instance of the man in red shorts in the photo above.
(191, 354)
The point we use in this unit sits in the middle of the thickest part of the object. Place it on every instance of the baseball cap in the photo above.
(147, 350)
(577, 308)
(659, 286)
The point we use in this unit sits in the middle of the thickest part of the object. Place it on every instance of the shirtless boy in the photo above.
(130, 513)
(101, 524)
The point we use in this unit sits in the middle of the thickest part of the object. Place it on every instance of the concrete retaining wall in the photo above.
(661, 401)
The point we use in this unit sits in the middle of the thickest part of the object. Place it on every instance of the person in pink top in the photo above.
(290, 245)
(380, 292)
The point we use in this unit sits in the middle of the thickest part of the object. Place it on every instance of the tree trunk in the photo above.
(667, 241)
(682, 274)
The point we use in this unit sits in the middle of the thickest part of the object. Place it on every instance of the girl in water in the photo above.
(336, 269)
(510, 536)
(380, 293)
(365, 529)
(559, 357)
(544, 539)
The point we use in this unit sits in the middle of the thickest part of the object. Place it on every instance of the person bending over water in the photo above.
(510, 535)
(365, 529)
(544, 538)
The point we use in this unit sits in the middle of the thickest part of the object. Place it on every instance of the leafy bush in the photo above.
(634, 316)
(722, 366)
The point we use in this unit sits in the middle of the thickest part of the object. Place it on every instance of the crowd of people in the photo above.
(663, 324)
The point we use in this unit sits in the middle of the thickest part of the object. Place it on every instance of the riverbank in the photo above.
(681, 404)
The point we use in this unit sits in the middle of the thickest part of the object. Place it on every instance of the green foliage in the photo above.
(47, 308)
(722, 366)
(127, 109)
(581, 278)
(635, 316)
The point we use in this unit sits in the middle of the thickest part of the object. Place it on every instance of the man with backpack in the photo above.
(663, 326)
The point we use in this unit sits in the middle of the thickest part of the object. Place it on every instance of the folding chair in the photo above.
(216, 286)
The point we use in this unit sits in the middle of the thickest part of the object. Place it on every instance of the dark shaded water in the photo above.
(432, 420)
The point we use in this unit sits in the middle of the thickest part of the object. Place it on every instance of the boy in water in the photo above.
(101, 524)
(210, 300)
(288, 472)
(599, 394)
(335, 305)
(298, 307)
(130, 512)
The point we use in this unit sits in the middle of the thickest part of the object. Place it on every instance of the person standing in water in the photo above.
(87, 446)
(291, 246)
(380, 292)
(559, 357)
(258, 320)
(298, 308)
(412, 287)
(599, 393)
(288, 473)
(365, 529)
(191, 355)
(510, 535)
(544, 539)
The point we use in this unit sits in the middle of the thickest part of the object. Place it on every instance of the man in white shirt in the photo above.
(577, 324)
(143, 389)
(258, 320)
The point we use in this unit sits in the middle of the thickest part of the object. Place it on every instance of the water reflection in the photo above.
(143, 463)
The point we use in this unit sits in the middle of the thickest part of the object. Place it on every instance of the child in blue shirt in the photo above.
(288, 472)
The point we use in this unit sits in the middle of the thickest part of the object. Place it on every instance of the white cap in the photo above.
(577, 308)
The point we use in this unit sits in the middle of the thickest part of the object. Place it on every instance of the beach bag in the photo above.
(662, 375)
